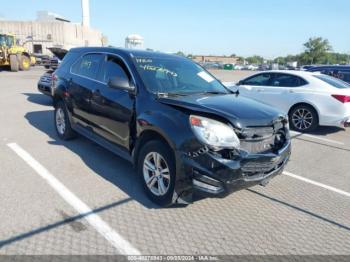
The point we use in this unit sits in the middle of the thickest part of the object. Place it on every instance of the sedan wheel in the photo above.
(303, 118)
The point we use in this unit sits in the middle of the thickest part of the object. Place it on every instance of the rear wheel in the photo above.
(24, 62)
(156, 168)
(62, 123)
(14, 63)
(303, 118)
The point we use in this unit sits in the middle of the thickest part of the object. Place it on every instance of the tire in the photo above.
(14, 63)
(303, 118)
(24, 63)
(62, 124)
(160, 195)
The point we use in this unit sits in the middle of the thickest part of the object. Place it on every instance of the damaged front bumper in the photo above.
(211, 175)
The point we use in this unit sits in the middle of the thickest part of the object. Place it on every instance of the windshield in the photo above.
(176, 76)
(333, 81)
(6, 40)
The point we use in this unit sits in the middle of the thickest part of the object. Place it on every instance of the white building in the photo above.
(53, 30)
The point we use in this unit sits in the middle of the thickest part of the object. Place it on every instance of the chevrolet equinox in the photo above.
(185, 133)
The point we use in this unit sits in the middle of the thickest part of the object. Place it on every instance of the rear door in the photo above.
(113, 108)
(82, 83)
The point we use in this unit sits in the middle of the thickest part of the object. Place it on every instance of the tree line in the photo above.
(317, 50)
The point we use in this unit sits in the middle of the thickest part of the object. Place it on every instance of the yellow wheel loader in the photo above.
(13, 55)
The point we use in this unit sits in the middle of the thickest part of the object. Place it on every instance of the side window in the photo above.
(284, 80)
(113, 67)
(259, 80)
(88, 65)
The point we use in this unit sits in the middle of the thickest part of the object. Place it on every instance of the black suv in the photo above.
(182, 129)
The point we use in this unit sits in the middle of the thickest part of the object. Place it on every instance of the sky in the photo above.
(269, 28)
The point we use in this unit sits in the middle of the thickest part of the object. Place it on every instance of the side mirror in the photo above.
(121, 83)
(239, 83)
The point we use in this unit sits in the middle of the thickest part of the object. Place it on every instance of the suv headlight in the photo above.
(214, 133)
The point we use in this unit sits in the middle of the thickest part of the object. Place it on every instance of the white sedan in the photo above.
(309, 99)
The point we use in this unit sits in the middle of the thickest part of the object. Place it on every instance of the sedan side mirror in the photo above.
(121, 83)
(240, 83)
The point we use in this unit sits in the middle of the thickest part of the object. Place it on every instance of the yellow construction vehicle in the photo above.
(13, 55)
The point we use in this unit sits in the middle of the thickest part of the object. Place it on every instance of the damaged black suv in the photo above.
(184, 131)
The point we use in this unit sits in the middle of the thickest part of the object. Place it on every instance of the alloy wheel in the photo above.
(156, 174)
(60, 121)
(302, 119)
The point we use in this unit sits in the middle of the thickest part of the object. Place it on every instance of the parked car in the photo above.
(213, 65)
(251, 67)
(53, 62)
(45, 61)
(341, 72)
(309, 99)
(182, 129)
(45, 82)
(237, 67)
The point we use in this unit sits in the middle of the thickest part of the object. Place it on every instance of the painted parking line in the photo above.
(333, 189)
(116, 240)
(317, 137)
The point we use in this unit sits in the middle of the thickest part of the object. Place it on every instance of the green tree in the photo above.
(316, 50)
(180, 53)
(255, 59)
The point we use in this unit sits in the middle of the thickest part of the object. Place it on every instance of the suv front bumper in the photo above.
(214, 176)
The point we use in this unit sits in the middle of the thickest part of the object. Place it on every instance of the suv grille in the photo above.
(261, 140)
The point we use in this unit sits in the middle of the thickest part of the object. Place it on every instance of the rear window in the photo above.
(333, 81)
(88, 65)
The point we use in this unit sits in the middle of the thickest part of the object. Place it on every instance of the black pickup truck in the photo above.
(183, 130)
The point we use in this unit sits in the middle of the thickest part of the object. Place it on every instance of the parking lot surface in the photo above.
(75, 197)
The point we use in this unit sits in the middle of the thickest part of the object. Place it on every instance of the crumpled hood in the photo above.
(240, 111)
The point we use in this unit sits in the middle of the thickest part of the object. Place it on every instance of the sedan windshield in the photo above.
(333, 81)
(176, 76)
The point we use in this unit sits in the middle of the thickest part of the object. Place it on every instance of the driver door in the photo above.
(112, 108)
(254, 86)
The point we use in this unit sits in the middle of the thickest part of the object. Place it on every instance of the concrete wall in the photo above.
(52, 34)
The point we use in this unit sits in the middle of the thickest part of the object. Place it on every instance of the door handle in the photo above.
(291, 91)
(260, 90)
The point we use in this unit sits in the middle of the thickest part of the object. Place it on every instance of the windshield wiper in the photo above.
(163, 94)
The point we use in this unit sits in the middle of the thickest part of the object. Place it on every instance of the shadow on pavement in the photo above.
(63, 222)
(104, 163)
(326, 130)
(39, 99)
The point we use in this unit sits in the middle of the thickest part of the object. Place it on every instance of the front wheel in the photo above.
(62, 123)
(24, 63)
(303, 118)
(156, 168)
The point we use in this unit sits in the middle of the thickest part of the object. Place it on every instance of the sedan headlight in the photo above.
(214, 133)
